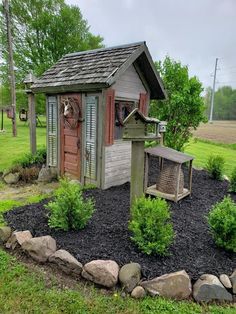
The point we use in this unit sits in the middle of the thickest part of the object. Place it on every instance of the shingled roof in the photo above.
(99, 68)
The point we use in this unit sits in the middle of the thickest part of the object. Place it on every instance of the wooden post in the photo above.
(177, 183)
(11, 65)
(146, 170)
(2, 121)
(32, 121)
(137, 170)
(190, 176)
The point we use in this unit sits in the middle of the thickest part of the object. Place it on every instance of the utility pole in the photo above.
(11, 65)
(213, 92)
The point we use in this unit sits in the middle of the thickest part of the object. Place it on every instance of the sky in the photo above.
(195, 32)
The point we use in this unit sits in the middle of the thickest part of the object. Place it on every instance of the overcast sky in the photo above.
(194, 32)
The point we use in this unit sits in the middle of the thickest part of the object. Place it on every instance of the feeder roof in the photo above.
(169, 154)
(100, 68)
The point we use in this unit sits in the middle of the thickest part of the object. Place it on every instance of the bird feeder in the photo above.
(136, 127)
(10, 112)
(170, 181)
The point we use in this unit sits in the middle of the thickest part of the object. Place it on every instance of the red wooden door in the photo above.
(71, 136)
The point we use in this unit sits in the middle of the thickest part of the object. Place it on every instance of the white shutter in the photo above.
(91, 136)
(52, 120)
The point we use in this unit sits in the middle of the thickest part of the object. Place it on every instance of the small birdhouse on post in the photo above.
(136, 130)
(28, 81)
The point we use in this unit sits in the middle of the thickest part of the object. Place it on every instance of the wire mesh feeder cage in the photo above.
(170, 182)
(166, 181)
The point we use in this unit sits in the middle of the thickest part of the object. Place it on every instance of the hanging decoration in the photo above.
(71, 112)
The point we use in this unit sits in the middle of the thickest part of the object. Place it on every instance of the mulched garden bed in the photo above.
(107, 237)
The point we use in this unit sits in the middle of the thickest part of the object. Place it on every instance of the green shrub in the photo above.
(233, 181)
(30, 159)
(151, 226)
(215, 166)
(222, 222)
(69, 210)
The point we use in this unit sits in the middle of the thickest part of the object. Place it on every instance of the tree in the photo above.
(44, 31)
(224, 103)
(184, 107)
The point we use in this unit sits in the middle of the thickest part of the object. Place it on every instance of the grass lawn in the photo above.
(22, 291)
(201, 150)
(13, 147)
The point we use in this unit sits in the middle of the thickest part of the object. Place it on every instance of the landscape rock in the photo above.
(66, 262)
(40, 248)
(138, 292)
(18, 238)
(233, 281)
(175, 285)
(209, 288)
(47, 174)
(12, 178)
(5, 233)
(130, 275)
(102, 272)
(225, 281)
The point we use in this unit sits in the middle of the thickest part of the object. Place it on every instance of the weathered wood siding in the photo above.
(117, 164)
(129, 85)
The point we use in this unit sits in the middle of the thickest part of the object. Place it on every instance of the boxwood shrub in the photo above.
(222, 222)
(150, 225)
(69, 210)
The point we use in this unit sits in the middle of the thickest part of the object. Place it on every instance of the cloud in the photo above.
(194, 32)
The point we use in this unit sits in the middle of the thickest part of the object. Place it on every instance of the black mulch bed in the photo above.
(106, 236)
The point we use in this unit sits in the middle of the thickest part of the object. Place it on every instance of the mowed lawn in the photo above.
(25, 291)
(13, 147)
(202, 150)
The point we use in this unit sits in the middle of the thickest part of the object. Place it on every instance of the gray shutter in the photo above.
(52, 120)
(91, 138)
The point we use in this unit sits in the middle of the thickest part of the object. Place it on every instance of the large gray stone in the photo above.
(12, 178)
(47, 174)
(102, 272)
(174, 285)
(130, 275)
(66, 262)
(225, 281)
(5, 233)
(40, 248)
(138, 292)
(233, 281)
(209, 288)
(18, 238)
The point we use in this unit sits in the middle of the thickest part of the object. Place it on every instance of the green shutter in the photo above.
(52, 121)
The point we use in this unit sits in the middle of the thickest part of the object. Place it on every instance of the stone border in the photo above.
(108, 274)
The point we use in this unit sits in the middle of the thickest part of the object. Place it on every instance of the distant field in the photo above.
(218, 131)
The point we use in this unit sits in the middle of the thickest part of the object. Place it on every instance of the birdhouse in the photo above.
(162, 126)
(10, 112)
(137, 127)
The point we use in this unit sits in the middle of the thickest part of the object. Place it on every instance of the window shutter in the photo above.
(110, 117)
(143, 103)
(91, 137)
(52, 119)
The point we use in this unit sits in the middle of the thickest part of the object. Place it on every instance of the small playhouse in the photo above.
(89, 95)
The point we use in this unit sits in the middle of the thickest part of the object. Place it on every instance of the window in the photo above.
(122, 110)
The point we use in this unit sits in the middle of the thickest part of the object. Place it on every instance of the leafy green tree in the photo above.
(224, 103)
(44, 31)
(184, 107)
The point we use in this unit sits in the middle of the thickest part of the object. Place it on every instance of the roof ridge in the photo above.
(140, 43)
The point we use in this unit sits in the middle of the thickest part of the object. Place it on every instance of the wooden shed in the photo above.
(89, 94)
